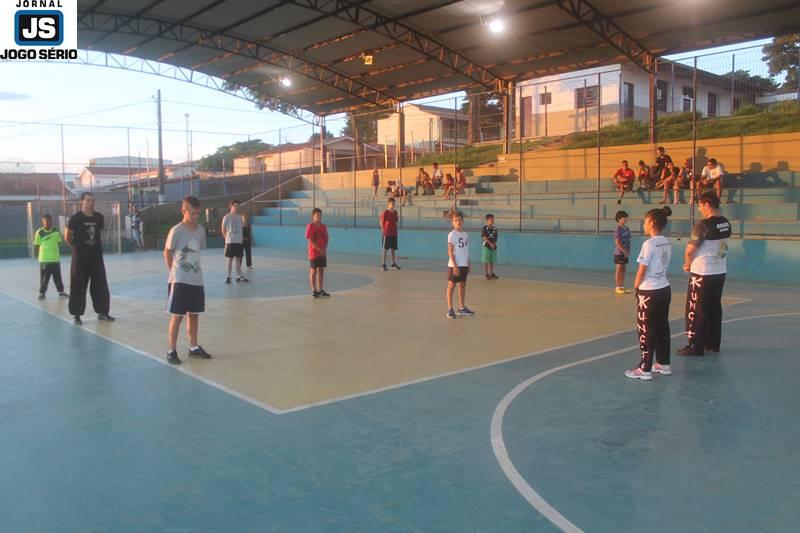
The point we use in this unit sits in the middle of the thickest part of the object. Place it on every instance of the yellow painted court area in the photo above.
(293, 351)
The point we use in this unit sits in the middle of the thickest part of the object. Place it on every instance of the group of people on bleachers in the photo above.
(450, 185)
(666, 176)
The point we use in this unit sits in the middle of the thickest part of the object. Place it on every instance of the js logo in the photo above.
(39, 28)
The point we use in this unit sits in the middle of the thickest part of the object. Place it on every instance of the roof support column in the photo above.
(507, 99)
(651, 76)
(322, 158)
(401, 137)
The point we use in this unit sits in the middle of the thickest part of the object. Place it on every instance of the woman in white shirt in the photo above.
(653, 296)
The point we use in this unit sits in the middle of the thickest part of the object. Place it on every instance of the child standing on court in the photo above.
(185, 242)
(317, 237)
(622, 250)
(458, 266)
(389, 229)
(489, 248)
(233, 231)
(48, 241)
(653, 295)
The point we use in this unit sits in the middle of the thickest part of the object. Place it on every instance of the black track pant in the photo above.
(45, 271)
(652, 326)
(704, 311)
(248, 252)
(88, 269)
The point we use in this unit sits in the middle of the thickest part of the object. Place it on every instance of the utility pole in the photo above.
(188, 156)
(161, 175)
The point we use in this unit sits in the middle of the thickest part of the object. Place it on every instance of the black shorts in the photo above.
(234, 250)
(185, 299)
(389, 243)
(319, 262)
(458, 274)
(620, 260)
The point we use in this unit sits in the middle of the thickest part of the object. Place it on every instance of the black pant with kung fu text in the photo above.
(704, 311)
(46, 270)
(89, 270)
(652, 326)
(248, 252)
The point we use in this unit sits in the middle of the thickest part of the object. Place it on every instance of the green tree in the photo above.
(485, 112)
(228, 153)
(783, 55)
(315, 136)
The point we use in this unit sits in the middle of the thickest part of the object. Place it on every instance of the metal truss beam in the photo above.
(397, 30)
(107, 23)
(608, 30)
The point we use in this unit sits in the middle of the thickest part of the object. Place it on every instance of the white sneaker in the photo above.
(664, 370)
(638, 373)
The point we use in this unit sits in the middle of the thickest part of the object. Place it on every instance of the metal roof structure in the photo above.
(419, 48)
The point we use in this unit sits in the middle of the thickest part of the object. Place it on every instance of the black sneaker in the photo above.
(383, 267)
(63, 294)
(494, 276)
(487, 276)
(395, 266)
(172, 357)
(199, 353)
(323, 294)
(105, 317)
(77, 321)
(41, 296)
(227, 281)
(315, 294)
(690, 351)
(242, 279)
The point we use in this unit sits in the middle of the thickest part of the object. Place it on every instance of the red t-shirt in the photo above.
(389, 223)
(627, 174)
(318, 234)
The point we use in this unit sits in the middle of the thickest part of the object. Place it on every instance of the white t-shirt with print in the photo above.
(460, 242)
(655, 255)
(185, 245)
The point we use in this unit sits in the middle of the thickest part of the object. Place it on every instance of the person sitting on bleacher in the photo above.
(645, 179)
(449, 185)
(423, 178)
(623, 180)
(712, 177)
(685, 180)
(669, 177)
(461, 181)
(438, 176)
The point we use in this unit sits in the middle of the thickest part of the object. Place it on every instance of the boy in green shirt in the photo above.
(47, 242)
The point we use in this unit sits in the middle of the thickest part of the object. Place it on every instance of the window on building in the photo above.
(736, 104)
(545, 98)
(712, 105)
(688, 98)
(662, 95)
(586, 97)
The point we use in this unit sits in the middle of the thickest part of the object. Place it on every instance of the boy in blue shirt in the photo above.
(622, 250)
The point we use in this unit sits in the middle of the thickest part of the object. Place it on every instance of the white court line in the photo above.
(219, 386)
(501, 452)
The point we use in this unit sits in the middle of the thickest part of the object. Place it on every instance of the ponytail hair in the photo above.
(659, 217)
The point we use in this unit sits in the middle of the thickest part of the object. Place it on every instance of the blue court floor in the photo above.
(95, 437)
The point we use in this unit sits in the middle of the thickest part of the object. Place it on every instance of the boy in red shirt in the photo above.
(389, 230)
(623, 179)
(317, 236)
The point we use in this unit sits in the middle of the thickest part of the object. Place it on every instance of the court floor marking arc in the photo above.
(501, 452)
(278, 411)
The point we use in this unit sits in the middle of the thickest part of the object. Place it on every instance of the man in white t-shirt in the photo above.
(458, 266)
(712, 177)
(233, 232)
(438, 176)
(706, 262)
(182, 253)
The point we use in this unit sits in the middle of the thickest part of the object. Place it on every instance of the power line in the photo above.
(86, 113)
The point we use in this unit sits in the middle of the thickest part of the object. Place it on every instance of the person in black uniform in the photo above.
(247, 241)
(706, 262)
(83, 235)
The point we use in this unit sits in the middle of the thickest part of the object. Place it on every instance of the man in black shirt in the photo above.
(662, 158)
(83, 235)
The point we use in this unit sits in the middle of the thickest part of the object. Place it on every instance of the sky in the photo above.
(100, 106)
